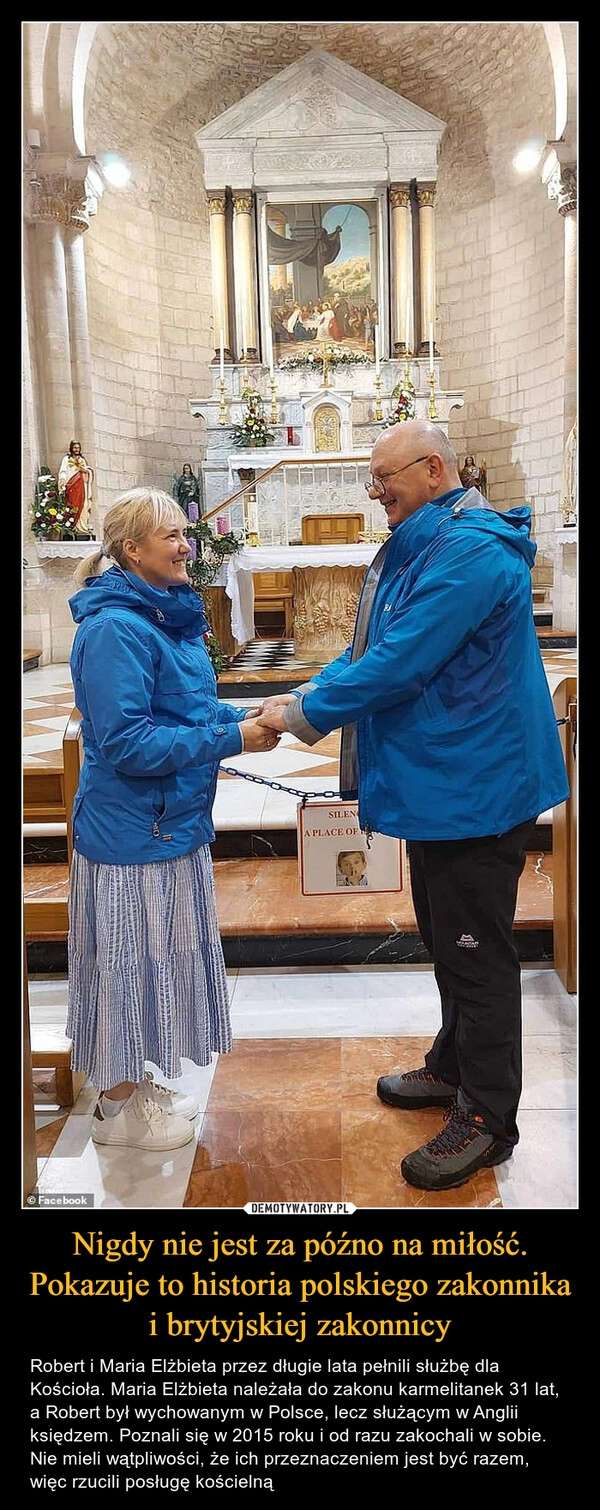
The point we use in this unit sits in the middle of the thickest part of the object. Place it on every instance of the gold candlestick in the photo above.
(406, 378)
(222, 403)
(378, 403)
(273, 415)
(432, 410)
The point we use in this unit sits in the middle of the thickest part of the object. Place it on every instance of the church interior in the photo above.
(248, 247)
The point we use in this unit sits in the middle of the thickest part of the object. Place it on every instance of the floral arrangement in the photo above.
(253, 430)
(50, 512)
(334, 355)
(211, 551)
(404, 408)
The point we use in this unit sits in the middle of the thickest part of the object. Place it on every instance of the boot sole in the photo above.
(497, 1154)
(142, 1147)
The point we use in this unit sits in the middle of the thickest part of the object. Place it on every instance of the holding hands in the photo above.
(270, 713)
(257, 736)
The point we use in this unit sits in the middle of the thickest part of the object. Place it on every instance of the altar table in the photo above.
(327, 581)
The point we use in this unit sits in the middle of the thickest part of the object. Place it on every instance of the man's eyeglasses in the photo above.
(377, 484)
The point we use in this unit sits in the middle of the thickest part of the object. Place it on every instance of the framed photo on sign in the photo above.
(333, 855)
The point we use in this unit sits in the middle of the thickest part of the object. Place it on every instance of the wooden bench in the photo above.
(46, 917)
(31, 658)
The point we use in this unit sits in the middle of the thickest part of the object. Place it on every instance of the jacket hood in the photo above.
(471, 511)
(177, 608)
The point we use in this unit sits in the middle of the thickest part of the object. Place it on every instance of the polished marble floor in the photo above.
(292, 1113)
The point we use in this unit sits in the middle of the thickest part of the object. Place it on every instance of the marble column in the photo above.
(79, 332)
(218, 258)
(401, 263)
(244, 264)
(58, 208)
(57, 421)
(560, 179)
(561, 182)
(426, 202)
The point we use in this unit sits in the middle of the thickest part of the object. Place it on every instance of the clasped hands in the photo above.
(263, 726)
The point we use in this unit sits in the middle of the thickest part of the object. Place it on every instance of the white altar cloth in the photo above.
(236, 577)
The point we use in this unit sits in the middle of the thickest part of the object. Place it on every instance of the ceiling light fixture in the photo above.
(529, 156)
(114, 169)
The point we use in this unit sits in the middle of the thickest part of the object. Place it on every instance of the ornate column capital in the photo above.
(426, 196)
(216, 202)
(64, 190)
(561, 184)
(400, 196)
(242, 202)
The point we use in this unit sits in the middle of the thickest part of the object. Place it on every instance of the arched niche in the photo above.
(327, 414)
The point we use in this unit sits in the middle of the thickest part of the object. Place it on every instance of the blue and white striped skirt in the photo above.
(147, 977)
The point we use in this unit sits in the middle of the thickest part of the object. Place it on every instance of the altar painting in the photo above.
(322, 276)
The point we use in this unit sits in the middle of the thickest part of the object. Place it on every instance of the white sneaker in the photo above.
(171, 1101)
(142, 1124)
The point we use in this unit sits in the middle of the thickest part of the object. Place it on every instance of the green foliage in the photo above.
(253, 430)
(219, 658)
(50, 511)
(212, 551)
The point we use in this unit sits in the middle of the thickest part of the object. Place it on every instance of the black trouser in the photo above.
(465, 895)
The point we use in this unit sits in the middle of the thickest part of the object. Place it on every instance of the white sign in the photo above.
(334, 857)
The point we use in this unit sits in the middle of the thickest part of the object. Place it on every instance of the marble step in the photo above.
(264, 920)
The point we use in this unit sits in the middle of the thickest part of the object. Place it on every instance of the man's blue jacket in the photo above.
(456, 731)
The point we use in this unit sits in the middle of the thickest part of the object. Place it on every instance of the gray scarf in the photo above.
(348, 755)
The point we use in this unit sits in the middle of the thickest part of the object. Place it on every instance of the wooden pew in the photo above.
(46, 917)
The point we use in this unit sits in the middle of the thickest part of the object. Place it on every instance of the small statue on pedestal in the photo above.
(75, 479)
(473, 476)
(186, 491)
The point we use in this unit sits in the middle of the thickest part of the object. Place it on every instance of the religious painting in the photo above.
(322, 261)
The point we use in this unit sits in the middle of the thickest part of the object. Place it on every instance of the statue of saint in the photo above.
(75, 484)
(473, 476)
(187, 491)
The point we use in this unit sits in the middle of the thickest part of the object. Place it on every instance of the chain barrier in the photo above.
(276, 786)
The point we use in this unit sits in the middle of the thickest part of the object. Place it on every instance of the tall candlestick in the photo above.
(221, 354)
(376, 351)
(431, 348)
(407, 325)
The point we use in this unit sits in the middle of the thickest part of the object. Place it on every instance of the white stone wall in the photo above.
(501, 281)
(150, 312)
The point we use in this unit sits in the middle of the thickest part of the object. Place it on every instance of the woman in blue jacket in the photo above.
(449, 740)
(146, 972)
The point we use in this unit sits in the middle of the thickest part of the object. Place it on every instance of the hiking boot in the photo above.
(174, 1102)
(141, 1124)
(463, 1146)
(414, 1090)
